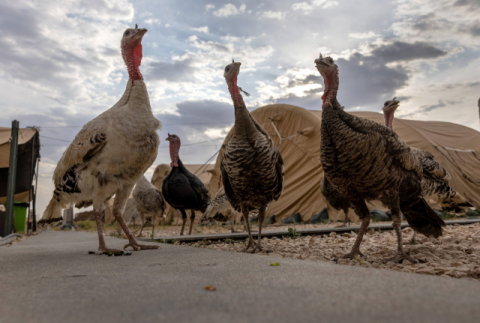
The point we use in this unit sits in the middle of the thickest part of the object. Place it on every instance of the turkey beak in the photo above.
(141, 32)
(319, 63)
(237, 67)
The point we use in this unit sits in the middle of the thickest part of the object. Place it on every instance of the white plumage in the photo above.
(111, 152)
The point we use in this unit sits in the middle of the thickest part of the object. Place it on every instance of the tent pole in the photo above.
(12, 174)
(31, 179)
(34, 215)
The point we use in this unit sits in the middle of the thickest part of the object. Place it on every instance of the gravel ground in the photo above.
(455, 254)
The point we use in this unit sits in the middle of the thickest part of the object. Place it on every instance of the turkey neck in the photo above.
(133, 60)
(331, 88)
(136, 91)
(181, 168)
(244, 126)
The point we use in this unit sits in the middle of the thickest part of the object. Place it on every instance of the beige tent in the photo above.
(456, 147)
(28, 140)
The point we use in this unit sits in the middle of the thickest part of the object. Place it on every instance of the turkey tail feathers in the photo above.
(52, 213)
(456, 204)
(422, 218)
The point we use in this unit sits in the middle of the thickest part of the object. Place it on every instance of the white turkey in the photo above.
(111, 152)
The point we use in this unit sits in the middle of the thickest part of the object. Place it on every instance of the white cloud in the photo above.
(308, 7)
(234, 39)
(201, 29)
(229, 10)
(366, 35)
(153, 21)
(145, 14)
(274, 15)
(209, 7)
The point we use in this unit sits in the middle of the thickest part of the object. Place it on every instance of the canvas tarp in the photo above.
(456, 147)
(28, 140)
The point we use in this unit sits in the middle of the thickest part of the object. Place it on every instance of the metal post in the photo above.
(30, 192)
(34, 218)
(12, 176)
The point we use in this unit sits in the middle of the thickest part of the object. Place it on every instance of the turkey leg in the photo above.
(346, 220)
(362, 211)
(397, 225)
(142, 223)
(192, 219)
(251, 243)
(102, 248)
(118, 205)
(154, 221)
(184, 219)
(261, 217)
(233, 215)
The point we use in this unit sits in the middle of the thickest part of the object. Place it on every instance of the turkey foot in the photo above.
(251, 243)
(399, 257)
(346, 223)
(259, 248)
(109, 252)
(138, 247)
(352, 254)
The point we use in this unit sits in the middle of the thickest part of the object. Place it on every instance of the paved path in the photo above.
(51, 278)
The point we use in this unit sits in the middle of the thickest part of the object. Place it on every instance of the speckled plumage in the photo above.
(148, 201)
(252, 167)
(364, 160)
(335, 199)
(435, 178)
(220, 210)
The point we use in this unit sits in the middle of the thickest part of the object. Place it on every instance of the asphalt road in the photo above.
(51, 278)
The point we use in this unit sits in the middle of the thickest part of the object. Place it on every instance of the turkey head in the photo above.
(132, 51)
(329, 70)
(174, 149)
(389, 110)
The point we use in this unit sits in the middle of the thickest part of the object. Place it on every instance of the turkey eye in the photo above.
(331, 60)
(226, 69)
(386, 103)
(127, 33)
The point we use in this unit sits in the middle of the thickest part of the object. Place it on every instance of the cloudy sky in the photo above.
(61, 65)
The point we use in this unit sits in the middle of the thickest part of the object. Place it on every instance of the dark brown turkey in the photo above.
(435, 179)
(181, 189)
(252, 167)
(364, 160)
(336, 200)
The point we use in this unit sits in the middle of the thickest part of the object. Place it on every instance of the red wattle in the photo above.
(137, 55)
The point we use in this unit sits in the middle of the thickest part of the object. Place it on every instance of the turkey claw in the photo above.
(250, 244)
(138, 247)
(109, 252)
(352, 254)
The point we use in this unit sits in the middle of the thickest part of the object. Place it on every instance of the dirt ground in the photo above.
(455, 254)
